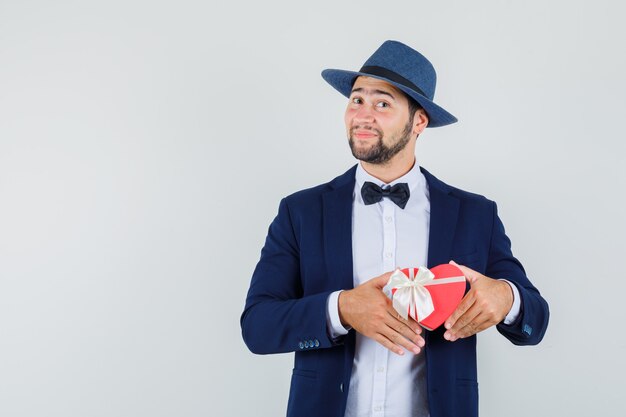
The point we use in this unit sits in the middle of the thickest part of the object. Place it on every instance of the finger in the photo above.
(396, 337)
(465, 305)
(480, 323)
(401, 334)
(415, 326)
(469, 273)
(407, 332)
(388, 344)
(484, 325)
(395, 342)
(382, 280)
(410, 323)
(467, 319)
(401, 326)
(469, 315)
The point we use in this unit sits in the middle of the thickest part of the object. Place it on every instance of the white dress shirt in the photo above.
(386, 237)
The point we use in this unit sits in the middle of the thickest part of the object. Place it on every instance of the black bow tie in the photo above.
(372, 193)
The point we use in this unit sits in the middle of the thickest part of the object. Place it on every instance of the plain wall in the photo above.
(145, 145)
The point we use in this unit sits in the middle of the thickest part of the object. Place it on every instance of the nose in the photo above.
(364, 114)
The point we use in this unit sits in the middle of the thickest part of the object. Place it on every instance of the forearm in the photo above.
(532, 321)
(277, 326)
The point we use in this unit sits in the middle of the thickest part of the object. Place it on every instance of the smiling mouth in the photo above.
(364, 133)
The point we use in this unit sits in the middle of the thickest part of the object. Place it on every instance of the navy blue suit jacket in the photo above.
(308, 255)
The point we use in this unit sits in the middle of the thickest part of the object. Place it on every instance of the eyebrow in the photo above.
(374, 91)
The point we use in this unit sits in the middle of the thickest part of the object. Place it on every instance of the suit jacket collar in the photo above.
(444, 210)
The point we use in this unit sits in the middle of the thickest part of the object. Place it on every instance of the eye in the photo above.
(356, 100)
(382, 104)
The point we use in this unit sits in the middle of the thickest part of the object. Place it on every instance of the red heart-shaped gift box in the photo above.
(445, 296)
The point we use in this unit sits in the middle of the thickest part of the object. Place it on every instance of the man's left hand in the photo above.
(487, 303)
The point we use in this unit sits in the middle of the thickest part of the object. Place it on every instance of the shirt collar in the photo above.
(413, 178)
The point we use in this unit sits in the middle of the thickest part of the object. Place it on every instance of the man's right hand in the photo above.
(368, 311)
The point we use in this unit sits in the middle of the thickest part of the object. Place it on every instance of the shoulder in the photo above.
(464, 196)
(309, 196)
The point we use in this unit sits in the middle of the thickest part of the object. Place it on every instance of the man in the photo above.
(317, 289)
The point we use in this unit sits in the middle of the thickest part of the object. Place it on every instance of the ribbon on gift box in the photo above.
(409, 294)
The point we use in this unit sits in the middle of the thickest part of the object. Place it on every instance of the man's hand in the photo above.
(487, 303)
(368, 311)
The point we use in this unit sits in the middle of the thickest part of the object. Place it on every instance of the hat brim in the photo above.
(342, 81)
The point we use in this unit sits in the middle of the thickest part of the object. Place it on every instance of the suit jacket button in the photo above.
(317, 343)
(341, 387)
(301, 345)
(306, 344)
(527, 329)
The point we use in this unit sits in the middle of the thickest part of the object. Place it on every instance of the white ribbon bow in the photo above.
(411, 297)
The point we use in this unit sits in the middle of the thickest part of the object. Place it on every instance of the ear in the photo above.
(420, 121)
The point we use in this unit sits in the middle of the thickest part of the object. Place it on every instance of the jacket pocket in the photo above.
(467, 397)
(305, 393)
(305, 373)
(462, 382)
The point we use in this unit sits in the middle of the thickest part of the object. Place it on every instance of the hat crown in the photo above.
(406, 62)
(405, 69)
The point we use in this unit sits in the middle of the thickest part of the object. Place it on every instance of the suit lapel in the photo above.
(337, 235)
(444, 212)
(337, 223)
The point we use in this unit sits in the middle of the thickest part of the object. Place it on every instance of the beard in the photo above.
(379, 153)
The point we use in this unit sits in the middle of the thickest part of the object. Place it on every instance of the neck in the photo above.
(393, 169)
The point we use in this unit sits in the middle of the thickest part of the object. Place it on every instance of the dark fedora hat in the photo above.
(403, 67)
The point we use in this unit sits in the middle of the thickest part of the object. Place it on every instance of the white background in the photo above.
(145, 145)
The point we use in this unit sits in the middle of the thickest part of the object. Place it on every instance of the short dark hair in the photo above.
(413, 106)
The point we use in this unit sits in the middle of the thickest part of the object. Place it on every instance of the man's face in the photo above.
(377, 120)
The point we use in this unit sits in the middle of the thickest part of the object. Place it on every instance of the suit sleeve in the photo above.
(278, 317)
(531, 324)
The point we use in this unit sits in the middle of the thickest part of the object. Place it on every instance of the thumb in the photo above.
(382, 280)
(471, 275)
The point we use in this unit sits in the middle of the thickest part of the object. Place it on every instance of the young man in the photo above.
(317, 289)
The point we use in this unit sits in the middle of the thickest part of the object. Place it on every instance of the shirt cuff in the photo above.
(515, 308)
(335, 328)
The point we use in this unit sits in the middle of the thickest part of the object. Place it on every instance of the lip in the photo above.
(364, 134)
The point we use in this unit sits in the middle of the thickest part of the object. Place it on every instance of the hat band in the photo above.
(397, 78)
